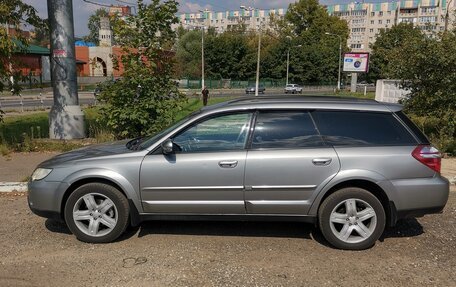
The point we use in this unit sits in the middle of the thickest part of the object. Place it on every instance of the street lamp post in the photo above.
(340, 56)
(257, 81)
(202, 51)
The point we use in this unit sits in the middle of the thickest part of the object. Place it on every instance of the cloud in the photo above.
(188, 6)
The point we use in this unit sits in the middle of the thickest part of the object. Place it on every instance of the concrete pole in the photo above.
(66, 119)
(354, 81)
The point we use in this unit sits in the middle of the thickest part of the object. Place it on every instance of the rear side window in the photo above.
(361, 128)
(421, 137)
(285, 129)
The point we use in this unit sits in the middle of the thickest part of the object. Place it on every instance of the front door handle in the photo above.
(321, 161)
(228, 164)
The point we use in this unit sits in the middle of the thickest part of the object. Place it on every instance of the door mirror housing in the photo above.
(167, 146)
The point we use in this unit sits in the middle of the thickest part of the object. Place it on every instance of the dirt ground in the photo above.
(39, 252)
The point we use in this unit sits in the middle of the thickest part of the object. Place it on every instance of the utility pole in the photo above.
(340, 56)
(257, 82)
(66, 119)
(288, 63)
(252, 10)
(447, 15)
(202, 57)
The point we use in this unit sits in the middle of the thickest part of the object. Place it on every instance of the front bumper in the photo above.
(45, 198)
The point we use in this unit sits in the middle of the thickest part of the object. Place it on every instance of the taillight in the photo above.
(429, 156)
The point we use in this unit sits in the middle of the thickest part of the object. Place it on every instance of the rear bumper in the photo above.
(420, 193)
(418, 197)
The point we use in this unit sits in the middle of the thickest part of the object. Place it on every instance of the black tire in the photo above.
(121, 207)
(335, 200)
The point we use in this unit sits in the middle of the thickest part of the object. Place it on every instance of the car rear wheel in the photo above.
(352, 218)
(97, 213)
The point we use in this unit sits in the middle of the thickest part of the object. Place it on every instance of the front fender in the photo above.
(109, 175)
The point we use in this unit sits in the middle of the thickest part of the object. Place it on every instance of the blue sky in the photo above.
(83, 10)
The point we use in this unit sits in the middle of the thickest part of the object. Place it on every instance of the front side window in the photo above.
(222, 133)
(341, 128)
(285, 129)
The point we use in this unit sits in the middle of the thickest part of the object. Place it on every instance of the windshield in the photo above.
(150, 140)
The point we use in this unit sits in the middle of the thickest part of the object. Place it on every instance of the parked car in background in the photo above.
(350, 166)
(251, 90)
(293, 89)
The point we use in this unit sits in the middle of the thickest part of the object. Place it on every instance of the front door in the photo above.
(287, 164)
(206, 173)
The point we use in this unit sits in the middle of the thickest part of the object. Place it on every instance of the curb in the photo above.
(13, 186)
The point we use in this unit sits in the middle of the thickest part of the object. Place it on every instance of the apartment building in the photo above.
(365, 20)
(224, 21)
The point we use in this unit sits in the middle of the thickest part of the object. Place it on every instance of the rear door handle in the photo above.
(321, 161)
(228, 163)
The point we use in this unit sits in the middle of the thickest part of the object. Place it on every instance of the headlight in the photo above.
(41, 173)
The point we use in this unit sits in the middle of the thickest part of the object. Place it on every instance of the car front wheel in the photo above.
(97, 213)
(352, 218)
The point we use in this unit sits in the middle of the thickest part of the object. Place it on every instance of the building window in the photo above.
(371, 30)
(380, 13)
(372, 13)
(380, 22)
(388, 21)
(372, 22)
(389, 13)
(356, 46)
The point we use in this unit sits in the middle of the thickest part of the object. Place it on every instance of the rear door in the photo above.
(287, 163)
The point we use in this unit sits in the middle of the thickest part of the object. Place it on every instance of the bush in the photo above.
(440, 131)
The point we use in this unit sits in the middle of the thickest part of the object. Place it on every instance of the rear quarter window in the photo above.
(358, 128)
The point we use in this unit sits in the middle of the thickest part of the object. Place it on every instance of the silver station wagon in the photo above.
(350, 166)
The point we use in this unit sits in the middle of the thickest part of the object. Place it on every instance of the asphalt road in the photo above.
(34, 102)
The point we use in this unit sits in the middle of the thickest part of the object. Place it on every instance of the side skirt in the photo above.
(227, 217)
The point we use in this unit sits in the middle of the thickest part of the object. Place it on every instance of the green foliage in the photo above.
(94, 25)
(385, 47)
(146, 99)
(233, 54)
(42, 36)
(426, 66)
(317, 58)
(36, 126)
(16, 14)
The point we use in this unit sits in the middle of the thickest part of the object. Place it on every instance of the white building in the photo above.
(224, 21)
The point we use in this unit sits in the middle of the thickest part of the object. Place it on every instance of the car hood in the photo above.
(92, 151)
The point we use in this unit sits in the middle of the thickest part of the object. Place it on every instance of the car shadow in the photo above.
(409, 227)
(404, 228)
(56, 226)
(227, 228)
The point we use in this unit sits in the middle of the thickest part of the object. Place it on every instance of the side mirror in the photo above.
(167, 146)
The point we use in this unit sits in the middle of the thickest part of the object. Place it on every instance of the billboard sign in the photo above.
(356, 62)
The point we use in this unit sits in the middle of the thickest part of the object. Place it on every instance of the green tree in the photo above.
(42, 36)
(146, 99)
(426, 67)
(385, 47)
(13, 14)
(94, 25)
(317, 59)
(188, 55)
